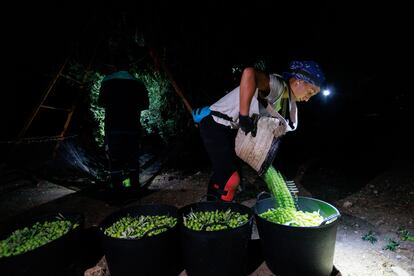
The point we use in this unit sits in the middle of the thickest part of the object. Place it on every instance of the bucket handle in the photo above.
(259, 196)
(330, 219)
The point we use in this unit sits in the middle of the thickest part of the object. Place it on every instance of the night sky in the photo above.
(364, 50)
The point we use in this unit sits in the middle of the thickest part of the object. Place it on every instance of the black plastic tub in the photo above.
(216, 253)
(291, 250)
(49, 259)
(154, 255)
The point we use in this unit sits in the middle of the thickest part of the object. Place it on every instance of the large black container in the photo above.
(49, 259)
(155, 255)
(216, 253)
(290, 250)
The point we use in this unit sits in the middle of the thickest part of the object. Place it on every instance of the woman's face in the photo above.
(303, 90)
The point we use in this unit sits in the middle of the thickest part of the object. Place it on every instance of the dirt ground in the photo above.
(384, 205)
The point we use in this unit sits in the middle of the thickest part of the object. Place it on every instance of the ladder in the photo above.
(43, 106)
(59, 137)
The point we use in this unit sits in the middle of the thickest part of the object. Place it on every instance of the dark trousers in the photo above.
(219, 143)
(122, 148)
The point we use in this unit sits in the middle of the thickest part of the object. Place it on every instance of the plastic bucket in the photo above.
(216, 253)
(290, 250)
(260, 151)
(154, 255)
(48, 259)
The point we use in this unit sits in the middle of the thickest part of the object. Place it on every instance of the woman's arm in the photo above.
(250, 80)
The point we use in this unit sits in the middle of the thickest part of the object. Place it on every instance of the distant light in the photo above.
(326, 92)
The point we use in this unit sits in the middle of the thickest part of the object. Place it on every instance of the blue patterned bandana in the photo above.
(308, 71)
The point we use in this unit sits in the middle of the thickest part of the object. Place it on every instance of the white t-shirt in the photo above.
(230, 103)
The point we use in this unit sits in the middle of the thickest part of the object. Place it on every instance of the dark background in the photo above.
(364, 49)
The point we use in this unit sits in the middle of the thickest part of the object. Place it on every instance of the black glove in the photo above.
(246, 123)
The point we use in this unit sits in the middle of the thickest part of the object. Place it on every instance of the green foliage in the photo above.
(166, 111)
(97, 112)
(260, 65)
(237, 69)
(370, 236)
(391, 245)
(92, 81)
(404, 235)
(77, 71)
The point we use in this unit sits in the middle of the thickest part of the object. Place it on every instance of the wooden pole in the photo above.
(158, 60)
